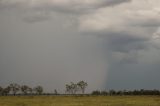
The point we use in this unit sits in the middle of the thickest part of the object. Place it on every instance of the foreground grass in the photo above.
(80, 101)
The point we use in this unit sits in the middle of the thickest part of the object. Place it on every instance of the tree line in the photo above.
(70, 89)
(125, 92)
(14, 89)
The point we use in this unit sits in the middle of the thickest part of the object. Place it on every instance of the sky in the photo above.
(110, 44)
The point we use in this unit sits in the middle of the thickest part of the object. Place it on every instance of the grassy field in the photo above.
(80, 101)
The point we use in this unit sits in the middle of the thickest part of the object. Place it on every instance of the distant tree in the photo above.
(68, 89)
(112, 92)
(25, 89)
(104, 93)
(6, 90)
(119, 93)
(30, 90)
(96, 92)
(14, 88)
(55, 92)
(82, 85)
(125, 92)
(38, 90)
(74, 88)
(71, 88)
(1, 90)
(142, 92)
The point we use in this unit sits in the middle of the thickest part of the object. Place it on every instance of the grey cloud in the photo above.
(67, 7)
(36, 16)
(61, 5)
(124, 34)
(116, 2)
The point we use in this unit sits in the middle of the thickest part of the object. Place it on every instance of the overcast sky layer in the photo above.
(111, 44)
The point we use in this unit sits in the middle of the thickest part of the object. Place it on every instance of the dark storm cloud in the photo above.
(124, 43)
(133, 62)
(130, 43)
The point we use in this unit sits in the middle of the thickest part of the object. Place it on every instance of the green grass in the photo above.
(80, 101)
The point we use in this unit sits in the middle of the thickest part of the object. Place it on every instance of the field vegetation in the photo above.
(80, 100)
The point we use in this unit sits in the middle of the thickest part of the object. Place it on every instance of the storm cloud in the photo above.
(112, 44)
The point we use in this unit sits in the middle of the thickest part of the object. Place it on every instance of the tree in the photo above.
(112, 92)
(68, 89)
(1, 90)
(14, 88)
(55, 92)
(30, 90)
(104, 93)
(96, 92)
(119, 93)
(82, 85)
(74, 88)
(25, 89)
(6, 91)
(38, 90)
